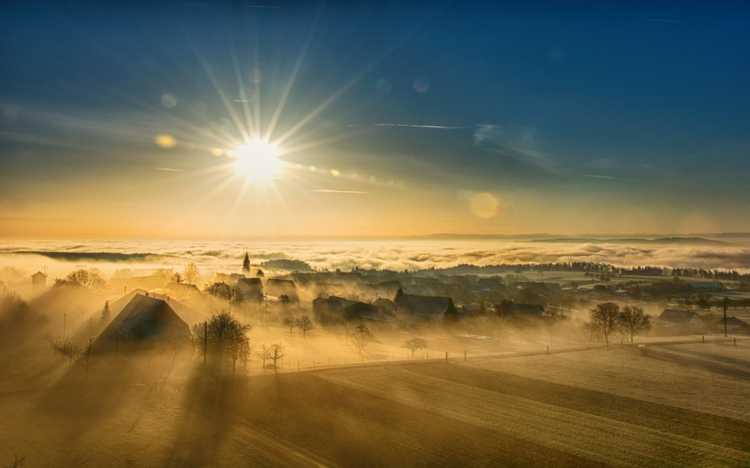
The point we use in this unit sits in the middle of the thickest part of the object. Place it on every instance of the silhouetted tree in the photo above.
(289, 322)
(277, 352)
(232, 294)
(104, 318)
(264, 354)
(451, 314)
(89, 278)
(304, 324)
(634, 320)
(191, 273)
(223, 335)
(362, 336)
(238, 346)
(414, 344)
(84, 358)
(605, 317)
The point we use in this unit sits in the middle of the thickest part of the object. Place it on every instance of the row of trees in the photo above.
(608, 318)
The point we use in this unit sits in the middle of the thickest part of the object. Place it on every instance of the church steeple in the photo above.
(246, 265)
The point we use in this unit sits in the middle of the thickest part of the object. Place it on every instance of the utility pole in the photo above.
(726, 303)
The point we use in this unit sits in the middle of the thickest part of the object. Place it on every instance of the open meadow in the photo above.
(663, 405)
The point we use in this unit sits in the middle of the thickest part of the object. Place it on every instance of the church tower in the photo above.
(246, 265)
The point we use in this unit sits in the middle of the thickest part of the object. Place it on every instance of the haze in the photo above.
(374, 233)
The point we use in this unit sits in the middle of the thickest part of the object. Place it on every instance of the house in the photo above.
(527, 310)
(373, 291)
(330, 309)
(432, 308)
(369, 313)
(230, 279)
(38, 281)
(146, 317)
(252, 289)
(511, 309)
(384, 304)
(733, 324)
(330, 289)
(282, 287)
(680, 318)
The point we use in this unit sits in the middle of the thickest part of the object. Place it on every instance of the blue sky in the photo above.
(470, 117)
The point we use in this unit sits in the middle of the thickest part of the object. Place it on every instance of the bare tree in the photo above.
(84, 358)
(414, 344)
(232, 294)
(605, 317)
(237, 347)
(277, 352)
(89, 278)
(634, 320)
(264, 354)
(191, 274)
(289, 322)
(304, 324)
(70, 350)
(362, 336)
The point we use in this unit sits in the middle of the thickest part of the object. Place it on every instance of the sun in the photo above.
(257, 160)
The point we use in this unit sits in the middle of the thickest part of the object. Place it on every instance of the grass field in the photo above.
(670, 405)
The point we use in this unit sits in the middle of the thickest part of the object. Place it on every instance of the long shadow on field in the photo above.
(711, 362)
(712, 357)
(80, 401)
(210, 405)
(695, 425)
(340, 426)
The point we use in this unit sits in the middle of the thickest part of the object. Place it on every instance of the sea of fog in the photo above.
(60, 256)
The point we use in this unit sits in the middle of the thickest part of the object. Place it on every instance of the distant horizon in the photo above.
(437, 236)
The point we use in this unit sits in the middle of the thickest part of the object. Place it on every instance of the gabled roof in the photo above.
(424, 306)
(677, 316)
(38, 274)
(528, 310)
(138, 310)
(733, 322)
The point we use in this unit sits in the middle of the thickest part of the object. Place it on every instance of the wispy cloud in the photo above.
(597, 176)
(337, 191)
(519, 143)
(169, 169)
(434, 127)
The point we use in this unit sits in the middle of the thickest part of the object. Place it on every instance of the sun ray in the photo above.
(221, 93)
(241, 86)
(292, 79)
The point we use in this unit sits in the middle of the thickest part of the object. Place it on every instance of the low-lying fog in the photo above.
(60, 257)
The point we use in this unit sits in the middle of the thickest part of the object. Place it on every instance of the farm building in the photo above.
(680, 318)
(38, 281)
(433, 308)
(373, 291)
(146, 317)
(733, 324)
(282, 287)
(252, 288)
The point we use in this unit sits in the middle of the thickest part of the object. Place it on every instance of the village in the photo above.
(518, 309)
